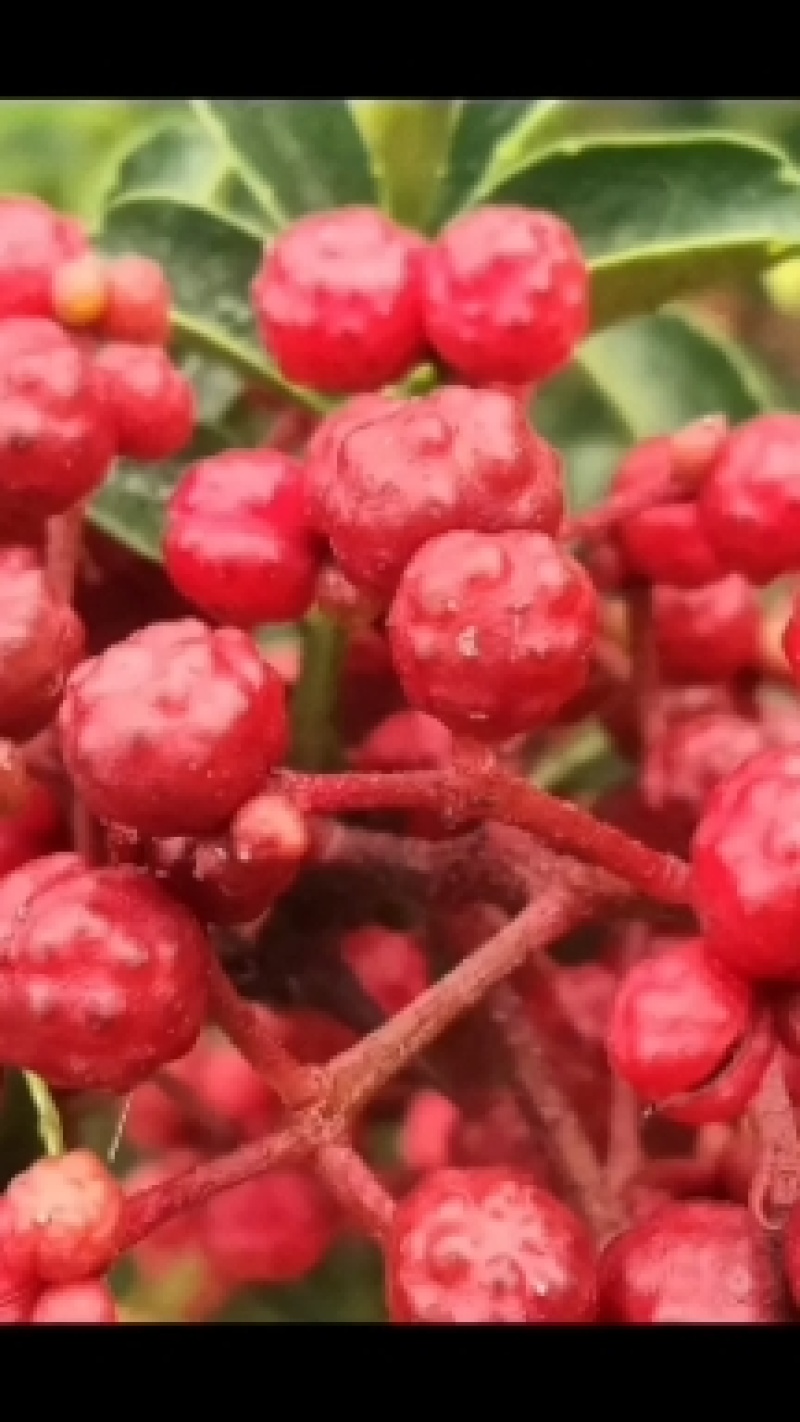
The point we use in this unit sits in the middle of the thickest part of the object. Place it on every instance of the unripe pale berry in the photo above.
(237, 543)
(750, 502)
(488, 1246)
(172, 730)
(138, 302)
(56, 439)
(65, 1218)
(34, 242)
(458, 459)
(709, 633)
(41, 640)
(506, 295)
(103, 978)
(80, 291)
(337, 301)
(149, 403)
(694, 1262)
(492, 634)
(746, 861)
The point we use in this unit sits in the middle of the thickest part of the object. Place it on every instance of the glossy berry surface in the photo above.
(506, 294)
(676, 1018)
(750, 502)
(138, 302)
(488, 1246)
(103, 978)
(41, 640)
(33, 830)
(458, 459)
(271, 1230)
(666, 544)
(149, 403)
(337, 301)
(89, 1302)
(56, 441)
(171, 730)
(693, 1262)
(65, 1218)
(492, 634)
(34, 242)
(237, 543)
(709, 633)
(747, 868)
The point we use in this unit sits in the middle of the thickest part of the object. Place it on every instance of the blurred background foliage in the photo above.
(638, 377)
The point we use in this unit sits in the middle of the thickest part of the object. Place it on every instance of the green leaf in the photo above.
(644, 378)
(408, 142)
(493, 137)
(130, 506)
(210, 258)
(175, 156)
(295, 155)
(50, 1128)
(660, 216)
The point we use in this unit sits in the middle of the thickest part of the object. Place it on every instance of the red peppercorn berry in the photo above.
(679, 1019)
(149, 403)
(172, 730)
(458, 459)
(710, 633)
(693, 755)
(506, 295)
(103, 978)
(237, 543)
(271, 1230)
(56, 441)
(391, 967)
(746, 862)
(488, 1246)
(694, 1262)
(492, 634)
(337, 301)
(138, 302)
(34, 242)
(750, 501)
(88, 1302)
(64, 1219)
(41, 640)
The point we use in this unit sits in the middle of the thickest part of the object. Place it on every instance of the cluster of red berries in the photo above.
(483, 624)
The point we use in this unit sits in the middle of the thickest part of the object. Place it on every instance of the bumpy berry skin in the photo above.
(667, 545)
(41, 640)
(34, 242)
(391, 967)
(322, 449)
(103, 978)
(709, 633)
(750, 502)
(693, 756)
(458, 459)
(170, 731)
(138, 302)
(237, 543)
(492, 634)
(747, 868)
(506, 295)
(149, 403)
(488, 1246)
(693, 1262)
(676, 1018)
(65, 1218)
(89, 1302)
(33, 830)
(56, 441)
(271, 1230)
(337, 301)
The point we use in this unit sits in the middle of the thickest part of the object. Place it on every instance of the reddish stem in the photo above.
(488, 792)
(252, 1031)
(63, 551)
(777, 1181)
